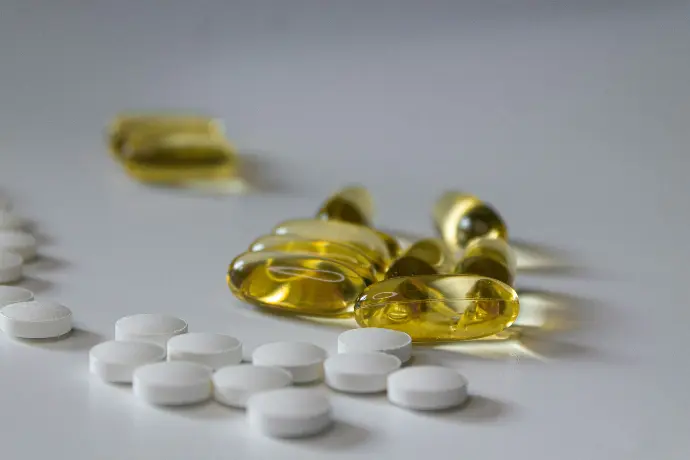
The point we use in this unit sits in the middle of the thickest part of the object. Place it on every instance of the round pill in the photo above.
(233, 385)
(289, 412)
(376, 339)
(10, 220)
(172, 383)
(22, 243)
(149, 327)
(11, 266)
(36, 319)
(115, 361)
(427, 388)
(213, 350)
(14, 294)
(304, 361)
(360, 372)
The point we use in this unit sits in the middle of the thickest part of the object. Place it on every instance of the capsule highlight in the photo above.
(429, 256)
(489, 257)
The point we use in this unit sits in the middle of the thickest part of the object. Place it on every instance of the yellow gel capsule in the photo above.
(490, 257)
(392, 244)
(347, 255)
(425, 257)
(439, 308)
(351, 204)
(298, 283)
(460, 217)
(363, 238)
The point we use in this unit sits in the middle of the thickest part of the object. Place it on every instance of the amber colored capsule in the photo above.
(298, 283)
(392, 243)
(490, 257)
(439, 308)
(460, 217)
(429, 256)
(352, 204)
(343, 253)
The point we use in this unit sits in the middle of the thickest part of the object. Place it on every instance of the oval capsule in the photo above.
(490, 257)
(439, 308)
(392, 243)
(352, 204)
(425, 257)
(299, 283)
(461, 217)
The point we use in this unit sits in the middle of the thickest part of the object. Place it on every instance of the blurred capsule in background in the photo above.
(352, 204)
(490, 257)
(428, 256)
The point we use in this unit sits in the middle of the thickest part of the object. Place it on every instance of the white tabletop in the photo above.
(570, 117)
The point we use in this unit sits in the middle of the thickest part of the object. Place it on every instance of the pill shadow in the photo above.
(35, 285)
(42, 239)
(78, 339)
(208, 410)
(261, 174)
(539, 259)
(47, 263)
(339, 436)
(477, 409)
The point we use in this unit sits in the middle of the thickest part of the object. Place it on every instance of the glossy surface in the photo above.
(351, 204)
(299, 283)
(461, 217)
(392, 243)
(490, 257)
(437, 308)
(425, 257)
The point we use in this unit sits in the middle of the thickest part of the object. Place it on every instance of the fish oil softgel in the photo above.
(438, 308)
(461, 217)
(351, 204)
(425, 257)
(490, 257)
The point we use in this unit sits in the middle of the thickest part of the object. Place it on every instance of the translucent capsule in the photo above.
(429, 256)
(460, 218)
(392, 243)
(351, 204)
(343, 253)
(299, 283)
(364, 238)
(490, 257)
(438, 308)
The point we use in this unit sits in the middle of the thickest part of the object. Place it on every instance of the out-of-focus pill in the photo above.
(427, 388)
(115, 361)
(213, 350)
(11, 266)
(21, 243)
(14, 294)
(370, 339)
(304, 361)
(289, 412)
(359, 372)
(233, 385)
(172, 383)
(149, 327)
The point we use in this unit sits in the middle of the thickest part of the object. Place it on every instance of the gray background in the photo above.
(570, 117)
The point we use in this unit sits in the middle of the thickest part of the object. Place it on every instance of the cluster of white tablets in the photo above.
(16, 245)
(169, 366)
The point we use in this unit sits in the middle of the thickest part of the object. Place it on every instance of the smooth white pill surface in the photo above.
(10, 220)
(11, 266)
(376, 339)
(213, 350)
(22, 243)
(289, 412)
(233, 385)
(149, 327)
(427, 388)
(304, 361)
(14, 294)
(172, 383)
(36, 319)
(115, 361)
(360, 372)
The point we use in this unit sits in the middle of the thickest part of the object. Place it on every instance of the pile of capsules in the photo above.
(457, 286)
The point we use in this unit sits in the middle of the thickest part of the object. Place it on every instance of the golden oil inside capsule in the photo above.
(490, 257)
(351, 204)
(347, 255)
(299, 283)
(425, 257)
(460, 217)
(362, 237)
(392, 243)
(439, 308)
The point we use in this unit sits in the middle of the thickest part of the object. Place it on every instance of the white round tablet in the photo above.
(10, 220)
(213, 350)
(376, 339)
(304, 361)
(289, 412)
(172, 383)
(14, 294)
(22, 243)
(427, 388)
(360, 372)
(36, 319)
(233, 385)
(115, 361)
(149, 327)
(11, 266)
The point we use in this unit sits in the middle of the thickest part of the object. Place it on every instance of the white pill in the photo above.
(172, 383)
(115, 361)
(14, 294)
(36, 319)
(233, 385)
(149, 327)
(9, 220)
(11, 266)
(213, 350)
(376, 339)
(427, 388)
(22, 243)
(289, 412)
(360, 372)
(304, 361)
